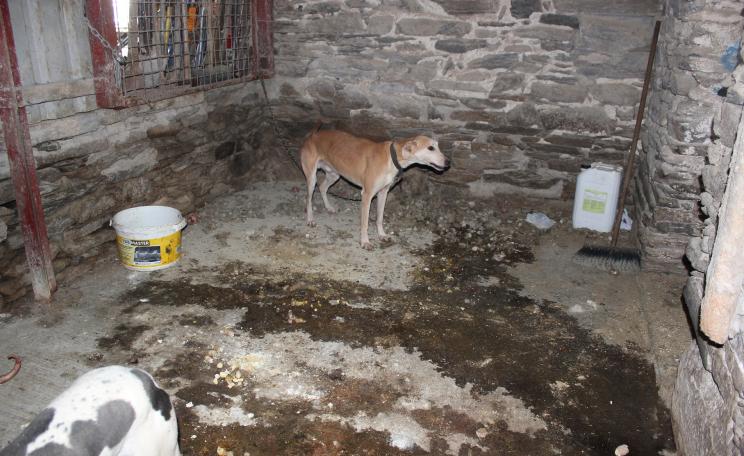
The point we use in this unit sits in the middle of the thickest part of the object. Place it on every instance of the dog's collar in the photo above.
(394, 158)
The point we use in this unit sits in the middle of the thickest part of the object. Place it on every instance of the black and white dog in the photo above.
(110, 411)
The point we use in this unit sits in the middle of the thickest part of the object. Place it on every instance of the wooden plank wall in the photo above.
(54, 60)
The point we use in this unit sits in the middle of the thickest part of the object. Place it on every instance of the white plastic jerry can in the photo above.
(597, 189)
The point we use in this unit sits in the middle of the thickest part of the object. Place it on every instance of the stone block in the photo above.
(380, 24)
(347, 68)
(727, 126)
(490, 118)
(556, 45)
(545, 32)
(481, 104)
(467, 7)
(681, 82)
(432, 27)
(703, 64)
(585, 118)
(571, 140)
(699, 414)
(562, 93)
(714, 180)
(552, 152)
(126, 168)
(449, 85)
(691, 128)
(698, 259)
(693, 296)
(524, 115)
(733, 351)
(538, 183)
(401, 106)
(623, 64)
(616, 94)
(351, 98)
(709, 237)
(507, 82)
(611, 36)
(459, 45)
(346, 22)
(560, 19)
(522, 9)
(322, 8)
(567, 80)
(614, 8)
(495, 61)
(322, 88)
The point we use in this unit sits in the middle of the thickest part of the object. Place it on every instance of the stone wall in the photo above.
(93, 163)
(688, 119)
(708, 412)
(519, 92)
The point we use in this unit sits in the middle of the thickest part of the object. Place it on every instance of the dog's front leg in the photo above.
(366, 203)
(381, 198)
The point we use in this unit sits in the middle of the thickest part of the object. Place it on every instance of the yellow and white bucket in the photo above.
(148, 238)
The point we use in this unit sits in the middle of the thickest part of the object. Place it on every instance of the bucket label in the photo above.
(149, 253)
(133, 242)
(594, 201)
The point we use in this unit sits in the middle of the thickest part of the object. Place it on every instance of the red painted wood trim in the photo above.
(100, 14)
(263, 39)
(22, 165)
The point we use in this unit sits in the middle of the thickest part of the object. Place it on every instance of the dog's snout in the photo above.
(446, 163)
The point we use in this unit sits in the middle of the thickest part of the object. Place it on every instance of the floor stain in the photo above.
(593, 396)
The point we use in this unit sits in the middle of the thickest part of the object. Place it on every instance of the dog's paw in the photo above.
(366, 245)
(311, 223)
(331, 210)
(385, 239)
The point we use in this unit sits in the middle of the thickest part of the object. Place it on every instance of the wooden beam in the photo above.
(725, 276)
(55, 91)
(263, 39)
(100, 16)
(22, 165)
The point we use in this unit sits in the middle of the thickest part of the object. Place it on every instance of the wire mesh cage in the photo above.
(166, 47)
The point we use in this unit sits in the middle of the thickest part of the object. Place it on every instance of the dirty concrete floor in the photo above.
(471, 333)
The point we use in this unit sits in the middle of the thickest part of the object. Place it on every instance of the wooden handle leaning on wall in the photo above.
(630, 160)
(725, 275)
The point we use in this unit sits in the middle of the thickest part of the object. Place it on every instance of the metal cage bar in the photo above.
(165, 48)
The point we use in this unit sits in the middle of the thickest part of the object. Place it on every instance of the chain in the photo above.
(119, 60)
(286, 147)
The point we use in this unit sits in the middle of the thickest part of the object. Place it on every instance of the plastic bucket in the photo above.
(148, 238)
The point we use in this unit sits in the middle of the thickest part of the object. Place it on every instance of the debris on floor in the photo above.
(540, 220)
(275, 343)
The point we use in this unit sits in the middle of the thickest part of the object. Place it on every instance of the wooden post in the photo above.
(725, 275)
(22, 165)
(100, 14)
(263, 40)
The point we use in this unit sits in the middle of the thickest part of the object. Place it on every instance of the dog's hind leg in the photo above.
(331, 177)
(310, 168)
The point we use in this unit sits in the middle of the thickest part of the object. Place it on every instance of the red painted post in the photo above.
(263, 40)
(100, 15)
(22, 165)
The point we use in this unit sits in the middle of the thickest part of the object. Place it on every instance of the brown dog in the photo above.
(368, 164)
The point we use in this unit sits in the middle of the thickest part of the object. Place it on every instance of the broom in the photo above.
(613, 258)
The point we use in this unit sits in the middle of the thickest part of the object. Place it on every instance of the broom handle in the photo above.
(630, 160)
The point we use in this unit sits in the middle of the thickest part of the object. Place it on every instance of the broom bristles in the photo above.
(609, 258)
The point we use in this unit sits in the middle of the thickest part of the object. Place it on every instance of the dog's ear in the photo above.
(410, 147)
